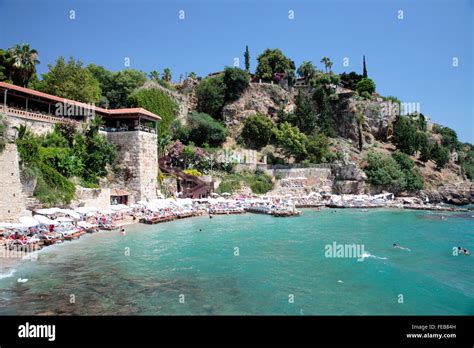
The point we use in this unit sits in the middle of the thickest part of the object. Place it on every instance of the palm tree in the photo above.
(23, 61)
(21, 131)
(167, 74)
(327, 63)
(154, 75)
(306, 70)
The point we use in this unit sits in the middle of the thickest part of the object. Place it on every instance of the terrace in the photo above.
(37, 106)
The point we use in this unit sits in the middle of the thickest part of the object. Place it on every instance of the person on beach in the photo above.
(122, 230)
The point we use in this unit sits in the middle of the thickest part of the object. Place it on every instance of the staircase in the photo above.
(192, 186)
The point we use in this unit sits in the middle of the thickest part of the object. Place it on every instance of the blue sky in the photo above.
(411, 58)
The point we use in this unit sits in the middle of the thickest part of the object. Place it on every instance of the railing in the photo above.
(199, 188)
(126, 129)
(33, 115)
(299, 166)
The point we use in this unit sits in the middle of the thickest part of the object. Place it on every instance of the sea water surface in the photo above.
(256, 264)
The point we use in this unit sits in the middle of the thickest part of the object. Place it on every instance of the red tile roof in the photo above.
(51, 97)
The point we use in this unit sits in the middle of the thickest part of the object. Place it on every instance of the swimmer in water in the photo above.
(396, 246)
(122, 230)
(463, 251)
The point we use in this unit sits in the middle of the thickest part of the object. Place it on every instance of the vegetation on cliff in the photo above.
(157, 102)
(59, 156)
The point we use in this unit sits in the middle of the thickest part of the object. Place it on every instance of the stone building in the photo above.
(132, 130)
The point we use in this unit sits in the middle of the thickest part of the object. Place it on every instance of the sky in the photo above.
(423, 54)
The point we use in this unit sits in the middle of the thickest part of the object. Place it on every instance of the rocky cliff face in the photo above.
(257, 98)
(379, 116)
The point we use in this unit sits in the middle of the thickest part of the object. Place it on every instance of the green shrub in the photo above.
(211, 96)
(257, 131)
(440, 155)
(365, 85)
(203, 129)
(396, 172)
(236, 81)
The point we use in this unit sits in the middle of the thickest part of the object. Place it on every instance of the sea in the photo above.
(327, 262)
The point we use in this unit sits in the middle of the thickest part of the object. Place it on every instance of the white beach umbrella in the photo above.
(85, 210)
(107, 212)
(28, 221)
(46, 221)
(71, 213)
(63, 219)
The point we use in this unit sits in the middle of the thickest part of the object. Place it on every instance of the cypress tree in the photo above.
(364, 74)
(247, 58)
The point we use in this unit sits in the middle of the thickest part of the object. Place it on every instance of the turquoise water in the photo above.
(278, 257)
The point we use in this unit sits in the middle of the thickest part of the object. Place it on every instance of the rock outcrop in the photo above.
(348, 179)
(257, 98)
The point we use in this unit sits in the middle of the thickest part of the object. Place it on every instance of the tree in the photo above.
(236, 81)
(384, 171)
(247, 58)
(318, 148)
(364, 74)
(22, 63)
(3, 65)
(306, 70)
(450, 138)
(211, 96)
(271, 62)
(292, 141)
(104, 77)
(360, 122)
(440, 155)
(424, 147)
(167, 75)
(396, 172)
(70, 80)
(365, 85)
(192, 75)
(412, 178)
(122, 84)
(204, 130)
(350, 80)
(405, 135)
(257, 131)
(303, 115)
(324, 95)
(327, 64)
(154, 75)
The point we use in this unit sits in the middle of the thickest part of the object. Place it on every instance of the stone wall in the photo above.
(35, 126)
(338, 179)
(85, 197)
(138, 159)
(12, 200)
